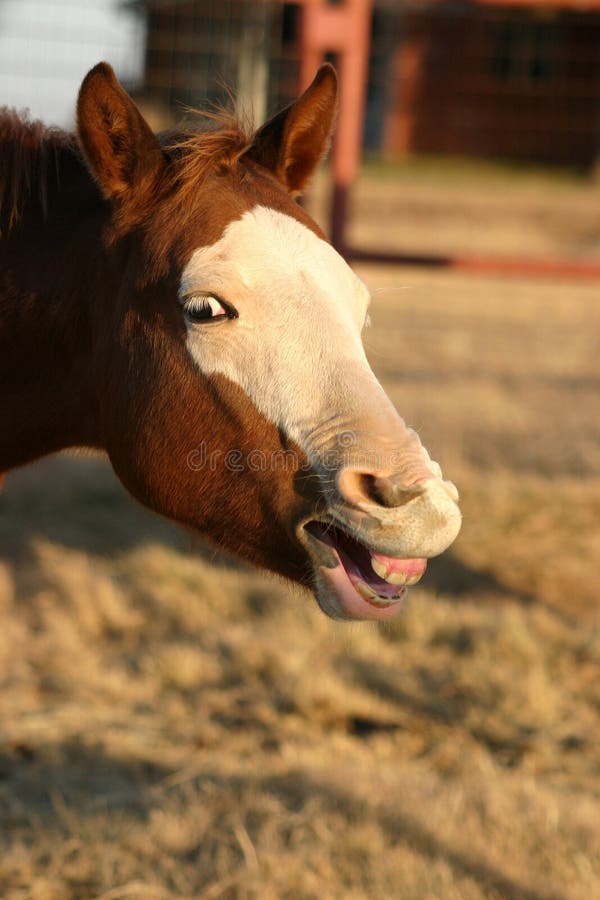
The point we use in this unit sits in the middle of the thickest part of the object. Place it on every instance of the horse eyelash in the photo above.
(200, 300)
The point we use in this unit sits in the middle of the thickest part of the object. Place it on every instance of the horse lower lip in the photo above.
(341, 597)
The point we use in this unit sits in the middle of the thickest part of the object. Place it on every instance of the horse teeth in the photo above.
(380, 601)
(369, 594)
(365, 591)
(397, 578)
(379, 568)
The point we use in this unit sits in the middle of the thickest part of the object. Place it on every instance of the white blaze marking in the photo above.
(296, 352)
(296, 348)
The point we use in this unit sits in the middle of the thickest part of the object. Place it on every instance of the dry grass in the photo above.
(444, 206)
(172, 728)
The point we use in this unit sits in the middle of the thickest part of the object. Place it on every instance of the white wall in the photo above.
(47, 46)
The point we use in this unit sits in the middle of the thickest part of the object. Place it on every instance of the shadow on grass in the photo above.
(400, 827)
(78, 502)
(85, 783)
(35, 780)
(447, 575)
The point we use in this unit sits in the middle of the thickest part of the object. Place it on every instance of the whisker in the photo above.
(390, 288)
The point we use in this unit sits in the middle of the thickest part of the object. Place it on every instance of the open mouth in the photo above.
(364, 584)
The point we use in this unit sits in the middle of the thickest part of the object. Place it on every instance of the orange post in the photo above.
(344, 30)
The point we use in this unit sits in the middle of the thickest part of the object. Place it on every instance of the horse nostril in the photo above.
(359, 488)
(389, 493)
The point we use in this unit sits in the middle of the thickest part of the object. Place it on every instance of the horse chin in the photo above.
(352, 581)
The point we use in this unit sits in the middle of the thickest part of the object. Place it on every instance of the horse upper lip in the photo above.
(328, 522)
(313, 540)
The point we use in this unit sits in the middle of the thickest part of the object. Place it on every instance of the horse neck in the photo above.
(49, 266)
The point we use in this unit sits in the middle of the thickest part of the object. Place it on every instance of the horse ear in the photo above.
(292, 143)
(119, 145)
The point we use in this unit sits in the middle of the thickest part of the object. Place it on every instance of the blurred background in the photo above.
(173, 725)
(461, 92)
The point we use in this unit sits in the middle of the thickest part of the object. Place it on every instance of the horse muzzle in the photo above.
(373, 542)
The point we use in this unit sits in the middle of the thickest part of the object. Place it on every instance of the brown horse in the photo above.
(166, 300)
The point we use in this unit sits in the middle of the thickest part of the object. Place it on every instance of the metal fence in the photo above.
(168, 53)
(518, 82)
(47, 46)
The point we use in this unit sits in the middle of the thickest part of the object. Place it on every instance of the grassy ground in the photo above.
(171, 727)
(445, 206)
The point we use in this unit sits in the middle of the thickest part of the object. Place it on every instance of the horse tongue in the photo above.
(398, 571)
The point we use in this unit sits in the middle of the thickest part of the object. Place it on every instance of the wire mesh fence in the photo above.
(47, 46)
(448, 80)
(501, 81)
(490, 112)
(206, 50)
(170, 54)
(512, 82)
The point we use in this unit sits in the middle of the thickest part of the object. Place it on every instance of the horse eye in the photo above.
(206, 308)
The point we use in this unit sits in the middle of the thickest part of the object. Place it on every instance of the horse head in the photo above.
(233, 391)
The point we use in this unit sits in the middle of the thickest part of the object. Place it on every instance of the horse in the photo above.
(166, 299)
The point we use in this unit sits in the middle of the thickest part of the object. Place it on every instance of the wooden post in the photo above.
(253, 64)
(344, 30)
